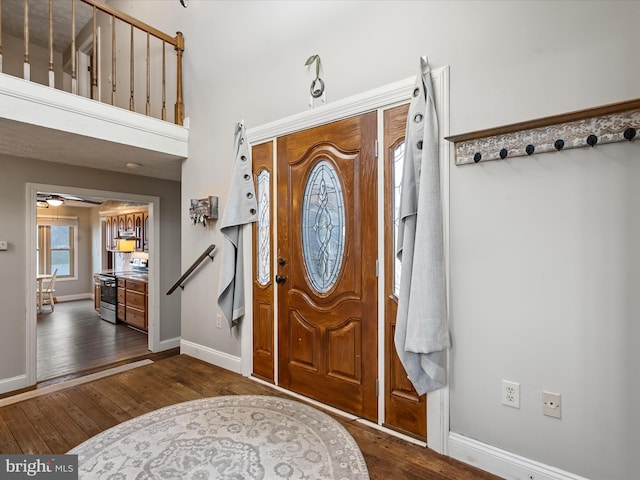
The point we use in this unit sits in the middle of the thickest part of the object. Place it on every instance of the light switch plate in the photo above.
(3, 245)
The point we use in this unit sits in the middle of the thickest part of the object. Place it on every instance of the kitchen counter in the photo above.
(129, 275)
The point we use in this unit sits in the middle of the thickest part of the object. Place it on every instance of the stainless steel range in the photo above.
(108, 296)
(109, 288)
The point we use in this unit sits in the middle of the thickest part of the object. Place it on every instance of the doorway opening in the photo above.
(73, 242)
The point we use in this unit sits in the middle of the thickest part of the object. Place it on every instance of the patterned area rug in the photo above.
(232, 437)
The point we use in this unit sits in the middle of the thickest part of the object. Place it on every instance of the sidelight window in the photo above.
(57, 246)
(398, 164)
(264, 227)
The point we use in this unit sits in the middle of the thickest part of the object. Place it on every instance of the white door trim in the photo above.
(380, 98)
(154, 262)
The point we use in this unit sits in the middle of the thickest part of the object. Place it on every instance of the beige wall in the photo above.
(16, 173)
(543, 269)
(13, 61)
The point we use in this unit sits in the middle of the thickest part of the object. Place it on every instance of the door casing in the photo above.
(378, 99)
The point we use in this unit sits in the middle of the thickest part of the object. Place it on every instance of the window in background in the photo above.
(57, 246)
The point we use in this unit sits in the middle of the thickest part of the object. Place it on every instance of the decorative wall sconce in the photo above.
(203, 209)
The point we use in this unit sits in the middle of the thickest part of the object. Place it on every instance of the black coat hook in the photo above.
(477, 157)
(630, 133)
(592, 140)
(530, 149)
(559, 144)
(503, 153)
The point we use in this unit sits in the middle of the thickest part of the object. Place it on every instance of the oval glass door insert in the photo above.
(323, 226)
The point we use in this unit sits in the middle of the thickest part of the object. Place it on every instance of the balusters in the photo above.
(147, 109)
(27, 65)
(0, 36)
(74, 72)
(179, 114)
(164, 83)
(113, 60)
(95, 94)
(92, 88)
(52, 78)
(131, 103)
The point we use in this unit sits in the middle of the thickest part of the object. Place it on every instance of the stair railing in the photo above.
(115, 15)
(185, 275)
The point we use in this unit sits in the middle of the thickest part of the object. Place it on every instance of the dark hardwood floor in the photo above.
(56, 422)
(73, 338)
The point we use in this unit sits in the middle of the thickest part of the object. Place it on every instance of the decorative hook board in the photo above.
(617, 122)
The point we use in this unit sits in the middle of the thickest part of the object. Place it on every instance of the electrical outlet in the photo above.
(510, 394)
(3, 245)
(551, 404)
(219, 321)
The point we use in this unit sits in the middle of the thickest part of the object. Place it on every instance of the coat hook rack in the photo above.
(591, 127)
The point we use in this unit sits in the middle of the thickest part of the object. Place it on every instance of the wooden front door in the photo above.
(326, 273)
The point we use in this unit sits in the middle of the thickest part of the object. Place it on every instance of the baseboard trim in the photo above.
(168, 344)
(13, 383)
(502, 463)
(214, 357)
(71, 298)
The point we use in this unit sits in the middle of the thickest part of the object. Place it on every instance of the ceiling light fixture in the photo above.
(133, 165)
(55, 200)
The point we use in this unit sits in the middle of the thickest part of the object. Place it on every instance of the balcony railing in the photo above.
(69, 50)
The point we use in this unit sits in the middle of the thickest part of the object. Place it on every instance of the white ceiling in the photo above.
(13, 21)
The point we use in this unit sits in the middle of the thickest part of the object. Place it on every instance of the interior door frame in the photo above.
(154, 260)
(378, 99)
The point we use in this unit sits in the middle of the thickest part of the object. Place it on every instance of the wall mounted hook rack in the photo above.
(592, 127)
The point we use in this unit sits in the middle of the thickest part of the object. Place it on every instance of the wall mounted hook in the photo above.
(559, 145)
(630, 133)
(592, 140)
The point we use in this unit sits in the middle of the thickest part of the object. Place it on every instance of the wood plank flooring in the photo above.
(56, 422)
(73, 338)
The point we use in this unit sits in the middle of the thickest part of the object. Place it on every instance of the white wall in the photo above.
(543, 267)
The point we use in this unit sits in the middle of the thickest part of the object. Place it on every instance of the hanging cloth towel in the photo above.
(421, 336)
(241, 209)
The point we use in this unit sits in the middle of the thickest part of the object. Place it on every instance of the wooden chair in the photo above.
(48, 290)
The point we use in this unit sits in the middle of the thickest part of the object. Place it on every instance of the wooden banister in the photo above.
(94, 85)
(185, 275)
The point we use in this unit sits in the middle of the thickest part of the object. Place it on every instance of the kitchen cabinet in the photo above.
(120, 311)
(145, 232)
(136, 222)
(96, 293)
(132, 302)
(138, 227)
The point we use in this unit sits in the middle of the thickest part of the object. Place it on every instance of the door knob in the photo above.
(280, 278)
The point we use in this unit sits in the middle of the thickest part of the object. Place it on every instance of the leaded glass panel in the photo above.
(264, 227)
(398, 164)
(323, 226)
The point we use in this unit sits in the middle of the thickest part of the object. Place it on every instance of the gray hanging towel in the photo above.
(421, 335)
(241, 209)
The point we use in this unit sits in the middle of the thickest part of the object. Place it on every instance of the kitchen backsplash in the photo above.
(121, 260)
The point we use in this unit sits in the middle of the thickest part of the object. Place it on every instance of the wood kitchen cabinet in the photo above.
(132, 303)
(96, 293)
(120, 312)
(136, 222)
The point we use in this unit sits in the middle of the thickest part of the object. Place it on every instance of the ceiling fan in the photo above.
(46, 200)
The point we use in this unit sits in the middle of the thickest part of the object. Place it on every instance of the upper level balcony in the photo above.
(85, 84)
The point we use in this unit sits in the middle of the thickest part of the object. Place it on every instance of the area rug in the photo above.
(231, 437)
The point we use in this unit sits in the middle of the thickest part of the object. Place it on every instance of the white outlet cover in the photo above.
(510, 394)
(551, 404)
